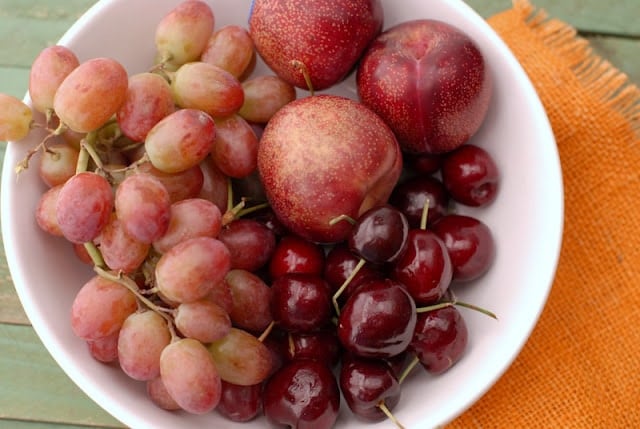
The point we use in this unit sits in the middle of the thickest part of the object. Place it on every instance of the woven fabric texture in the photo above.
(581, 366)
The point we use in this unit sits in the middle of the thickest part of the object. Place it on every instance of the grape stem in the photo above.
(133, 287)
(94, 254)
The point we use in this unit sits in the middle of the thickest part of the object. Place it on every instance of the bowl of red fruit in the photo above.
(289, 213)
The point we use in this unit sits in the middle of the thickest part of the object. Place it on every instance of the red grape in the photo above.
(241, 358)
(230, 48)
(15, 118)
(52, 65)
(58, 163)
(264, 96)
(143, 337)
(202, 320)
(236, 149)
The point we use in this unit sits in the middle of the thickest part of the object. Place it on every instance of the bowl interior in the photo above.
(526, 219)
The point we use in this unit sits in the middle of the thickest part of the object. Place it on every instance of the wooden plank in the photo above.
(22, 424)
(592, 16)
(28, 26)
(33, 387)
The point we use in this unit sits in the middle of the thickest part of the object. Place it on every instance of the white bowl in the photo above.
(526, 219)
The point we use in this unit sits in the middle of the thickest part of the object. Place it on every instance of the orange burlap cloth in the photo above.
(581, 366)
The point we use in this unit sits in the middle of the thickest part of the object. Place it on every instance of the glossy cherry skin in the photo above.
(410, 197)
(440, 339)
(471, 176)
(294, 254)
(250, 242)
(378, 320)
(340, 263)
(303, 394)
(301, 302)
(366, 384)
(425, 267)
(470, 244)
(424, 163)
(322, 346)
(379, 234)
(240, 403)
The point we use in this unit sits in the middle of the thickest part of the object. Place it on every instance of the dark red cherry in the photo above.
(367, 385)
(340, 263)
(470, 175)
(294, 254)
(301, 302)
(240, 403)
(322, 345)
(470, 244)
(379, 234)
(377, 320)
(440, 339)
(250, 243)
(303, 394)
(427, 163)
(411, 195)
(425, 267)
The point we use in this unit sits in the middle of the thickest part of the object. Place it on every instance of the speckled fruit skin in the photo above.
(324, 156)
(328, 37)
(429, 82)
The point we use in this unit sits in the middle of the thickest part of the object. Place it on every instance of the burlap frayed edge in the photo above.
(599, 77)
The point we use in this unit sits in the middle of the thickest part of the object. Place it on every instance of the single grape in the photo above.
(302, 394)
(191, 269)
(203, 86)
(240, 403)
(120, 251)
(52, 65)
(264, 96)
(180, 140)
(83, 206)
(149, 99)
(190, 376)
(181, 185)
(251, 298)
(91, 94)
(230, 48)
(142, 204)
(241, 358)
(214, 185)
(250, 242)
(221, 296)
(15, 118)
(236, 149)
(202, 320)
(190, 218)
(104, 349)
(182, 34)
(143, 337)
(100, 308)
(58, 163)
(45, 213)
(157, 392)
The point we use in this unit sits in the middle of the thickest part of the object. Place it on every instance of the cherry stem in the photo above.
(425, 215)
(346, 282)
(302, 68)
(252, 209)
(414, 362)
(454, 301)
(266, 332)
(342, 217)
(383, 407)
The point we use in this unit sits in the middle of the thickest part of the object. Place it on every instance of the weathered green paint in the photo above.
(34, 392)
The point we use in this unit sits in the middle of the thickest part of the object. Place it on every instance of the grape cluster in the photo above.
(199, 291)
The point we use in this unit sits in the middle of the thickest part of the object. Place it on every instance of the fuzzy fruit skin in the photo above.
(324, 156)
(429, 81)
(327, 36)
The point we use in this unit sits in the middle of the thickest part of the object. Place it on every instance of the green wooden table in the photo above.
(34, 392)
